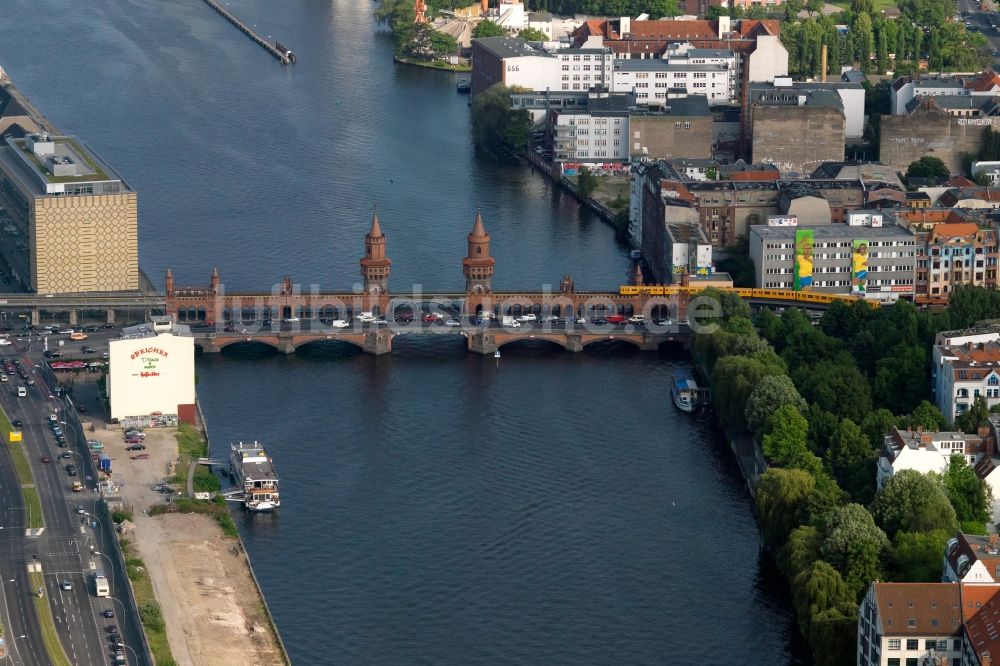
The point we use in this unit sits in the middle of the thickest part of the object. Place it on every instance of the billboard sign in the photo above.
(778, 221)
(859, 267)
(803, 259)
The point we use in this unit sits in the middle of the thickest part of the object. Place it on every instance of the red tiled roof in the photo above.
(959, 181)
(753, 27)
(985, 82)
(919, 609)
(693, 29)
(952, 229)
(982, 621)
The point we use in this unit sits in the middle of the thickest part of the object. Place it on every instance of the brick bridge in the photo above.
(211, 310)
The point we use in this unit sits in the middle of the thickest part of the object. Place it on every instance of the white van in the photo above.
(22, 392)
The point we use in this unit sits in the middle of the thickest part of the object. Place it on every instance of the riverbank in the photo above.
(210, 607)
(433, 64)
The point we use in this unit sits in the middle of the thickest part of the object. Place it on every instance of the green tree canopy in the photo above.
(927, 166)
(782, 500)
(852, 458)
(926, 416)
(495, 127)
(975, 417)
(785, 443)
(771, 394)
(533, 35)
(914, 502)
(969, 495)
(916, 556)
(837, 384)
(854, 546)
(488, 28)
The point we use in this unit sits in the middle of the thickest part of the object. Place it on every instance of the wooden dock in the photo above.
(277, 49)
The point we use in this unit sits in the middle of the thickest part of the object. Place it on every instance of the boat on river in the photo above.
(685, 391)
(253, 470)
(464, 85)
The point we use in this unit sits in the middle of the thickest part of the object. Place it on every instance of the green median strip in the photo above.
(149, 610)
(57, 657)
(29, 493)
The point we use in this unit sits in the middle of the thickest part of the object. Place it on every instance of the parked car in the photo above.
(141, 456)
(89, 350)
(133, 440)
(46, 459)
(109, 613)
(136, 447)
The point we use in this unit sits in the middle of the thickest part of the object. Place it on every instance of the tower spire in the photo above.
(478, 264)
(375, 265)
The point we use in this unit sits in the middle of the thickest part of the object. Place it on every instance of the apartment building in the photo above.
(911, 624)
(954, 254)
(929, 451)
(906, 92)
(963, 372)
(709, 72)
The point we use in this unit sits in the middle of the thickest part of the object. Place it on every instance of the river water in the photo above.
(438, 508)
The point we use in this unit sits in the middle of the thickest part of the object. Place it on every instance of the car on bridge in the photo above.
(339, 323)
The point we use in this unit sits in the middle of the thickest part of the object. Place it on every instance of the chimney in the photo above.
(725, 26)
(984, 659)
(822, 65)
(925, 439)
(984, 431)
(624, 26)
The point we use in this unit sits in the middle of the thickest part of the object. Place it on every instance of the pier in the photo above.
(277, 49)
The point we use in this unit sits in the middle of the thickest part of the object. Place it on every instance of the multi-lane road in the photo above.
(76, 541)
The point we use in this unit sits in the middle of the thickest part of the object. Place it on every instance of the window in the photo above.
(931, 644)
(894, 643)
(911, 661)
(893, 661)
(911, 644)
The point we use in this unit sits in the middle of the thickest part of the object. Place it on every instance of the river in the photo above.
(438, 507)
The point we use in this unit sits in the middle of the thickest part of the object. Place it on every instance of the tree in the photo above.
(876, 425)
(863, 6)
(927, 166)
(852, 458)
(901, 378)
(733, 380)
(818, 589)
(782, 496)
(864, 40)
(586, 183)
(916, 556)
(925, 13)
(854, 545)
(771, 394)
(785, 442)
(837, 384)
(663, 8)
(801, 550)
(975, 417)
(926, 416)
(495, 127)
(969, 495)
(533, 35)
(913, 502)
(488, 28)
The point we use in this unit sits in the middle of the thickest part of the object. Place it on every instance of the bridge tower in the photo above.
(375, 265)
(214, 284)
(478, 265)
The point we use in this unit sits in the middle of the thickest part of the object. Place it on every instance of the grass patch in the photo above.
(879, 4)
(435, 64)
(57, 656)
(191, 445)
(217, 509)
(149, 609)
(29, 493)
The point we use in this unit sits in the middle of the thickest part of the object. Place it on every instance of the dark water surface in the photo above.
(437, 509)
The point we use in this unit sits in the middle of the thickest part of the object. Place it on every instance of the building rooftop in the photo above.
(710, 53)
(765, 94)
(510, 47)
(58, 165)
(919, 609)
(824, 231)
(660, 65)
(686, 233)
(964, 550)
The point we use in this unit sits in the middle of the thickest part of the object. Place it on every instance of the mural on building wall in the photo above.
(859, 267)
(803, 259)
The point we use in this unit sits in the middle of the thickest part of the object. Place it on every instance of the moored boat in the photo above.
(685, 391)
(464, 85)
(254, 473)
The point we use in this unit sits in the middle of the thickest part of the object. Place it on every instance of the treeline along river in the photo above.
(438, 508)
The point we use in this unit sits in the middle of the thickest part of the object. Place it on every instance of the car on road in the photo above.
(527, 317)
(339, 323)
(67, 331)
(56, 430)
(91, 329)
(291, 320)
(133, 440)
(81, 408)
(45, 332)
(71, 470)
(429, 318)
(108, 326)
(89, 350)
(453, 322)
(66, 585)
(46, 459)
(66, 455)
(636, 319)
(60, 441)
(53, 354)
(136, 446)
(109, 613)
(663, 322)
(600, 322)
(29, 381)
(112, 628)
(16, 423)
(4, 342)
(80, 510)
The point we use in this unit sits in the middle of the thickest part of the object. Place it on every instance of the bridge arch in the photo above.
(303, 341)
(553, 339)
(222, 343)
(597, 339)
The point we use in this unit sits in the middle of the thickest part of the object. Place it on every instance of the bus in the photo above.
(101, 588)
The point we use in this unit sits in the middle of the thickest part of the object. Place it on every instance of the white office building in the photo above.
(709, 72)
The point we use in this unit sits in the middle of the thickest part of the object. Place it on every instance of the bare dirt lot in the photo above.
(201, 578)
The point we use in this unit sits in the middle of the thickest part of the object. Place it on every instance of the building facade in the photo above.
(151, 372)
(873, 262)
(904, 624)
(928, 451)
(797, 131)
(954, 254)
(69, 222)
(963, 372)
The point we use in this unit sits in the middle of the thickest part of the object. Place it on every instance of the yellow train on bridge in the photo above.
(781, 295)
